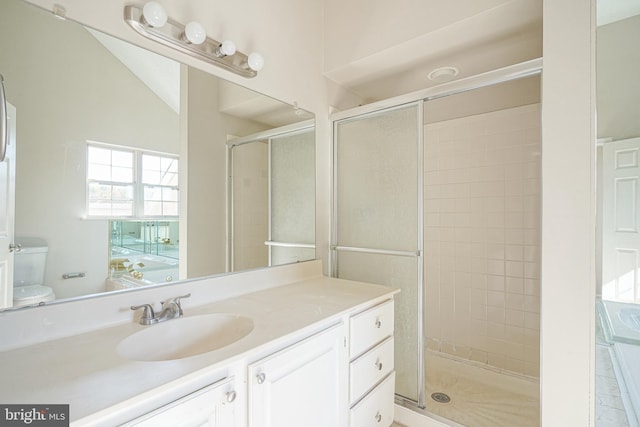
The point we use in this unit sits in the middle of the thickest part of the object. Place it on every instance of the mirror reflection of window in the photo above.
(110, 182)
(131, 183)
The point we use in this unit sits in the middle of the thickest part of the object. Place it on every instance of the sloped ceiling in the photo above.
(162, 76)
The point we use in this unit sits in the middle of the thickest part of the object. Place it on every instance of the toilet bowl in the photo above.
(28, 273)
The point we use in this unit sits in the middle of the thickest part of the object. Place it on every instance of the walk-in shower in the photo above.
(438, 193)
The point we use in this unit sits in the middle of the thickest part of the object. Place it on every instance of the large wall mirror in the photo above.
(233, 170)
(617, 349)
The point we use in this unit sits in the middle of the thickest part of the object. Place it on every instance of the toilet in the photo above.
(28, 273)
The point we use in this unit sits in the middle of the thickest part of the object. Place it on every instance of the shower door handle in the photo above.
(4, 128)
(15, 248)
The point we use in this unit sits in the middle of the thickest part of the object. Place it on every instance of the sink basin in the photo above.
(185, 337)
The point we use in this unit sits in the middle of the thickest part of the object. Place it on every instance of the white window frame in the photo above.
(138, 185)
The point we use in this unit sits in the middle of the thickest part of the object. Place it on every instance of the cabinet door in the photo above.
(302, 385)
(212, 406)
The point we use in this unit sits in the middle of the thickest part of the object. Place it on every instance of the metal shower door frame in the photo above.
(419, 250)
(490, 78)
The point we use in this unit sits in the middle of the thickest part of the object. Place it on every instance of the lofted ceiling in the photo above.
(162, 76)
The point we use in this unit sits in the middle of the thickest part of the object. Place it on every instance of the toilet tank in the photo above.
(29, 262)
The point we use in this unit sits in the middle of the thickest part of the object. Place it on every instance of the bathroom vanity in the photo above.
(294, 348)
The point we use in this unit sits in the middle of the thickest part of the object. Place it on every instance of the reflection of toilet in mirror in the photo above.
(28, 273)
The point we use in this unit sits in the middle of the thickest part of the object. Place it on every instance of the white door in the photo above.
(301, 386)
(621, 220)
(7, 211)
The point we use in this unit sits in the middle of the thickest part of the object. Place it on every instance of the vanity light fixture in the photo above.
(227, 48)
(154, 14)
(255, 61)
(152, 22)
(194, 33)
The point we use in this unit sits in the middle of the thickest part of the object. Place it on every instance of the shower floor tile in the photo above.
(480, 397)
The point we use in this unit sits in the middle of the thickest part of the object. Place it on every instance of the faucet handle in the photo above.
(148, 316)
(176, 301)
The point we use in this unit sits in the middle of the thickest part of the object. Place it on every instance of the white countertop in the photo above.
(86, 372)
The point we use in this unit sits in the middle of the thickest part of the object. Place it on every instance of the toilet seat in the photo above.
(31, 294)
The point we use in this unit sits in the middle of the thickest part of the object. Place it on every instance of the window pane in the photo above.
(170, 208)
(99, 191)
(150, 162)
(159, 170)
(109, 165)
(99, 172)
(99, 155)
(169, 164)
(122, 192)
(152, 193)
(170, 194)
(122, 158)
(150, 176)
(152, 208)
(122, 209)
(122, 174)
(110, 200)
(170, 179)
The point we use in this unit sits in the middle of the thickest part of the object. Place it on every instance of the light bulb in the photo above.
(255, 61)
(154, 14)
(195, 33)
(227, 48)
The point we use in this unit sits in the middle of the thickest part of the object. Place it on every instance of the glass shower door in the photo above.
(292, 195)
(377, 222)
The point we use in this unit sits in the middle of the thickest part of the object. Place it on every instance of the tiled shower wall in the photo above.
(482, 238)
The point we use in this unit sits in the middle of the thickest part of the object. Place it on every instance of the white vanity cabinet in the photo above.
(371, 366)
(217, 405)
(301, 385)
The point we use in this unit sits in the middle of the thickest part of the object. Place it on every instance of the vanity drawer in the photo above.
(367, 370)
(376, 409)
(370, 327)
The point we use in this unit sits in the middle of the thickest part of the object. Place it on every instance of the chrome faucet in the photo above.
(171, 309)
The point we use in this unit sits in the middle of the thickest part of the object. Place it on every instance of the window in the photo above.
(125, 182)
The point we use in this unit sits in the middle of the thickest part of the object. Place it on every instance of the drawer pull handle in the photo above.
(379, 365)
(378, 323)
(261, 377)
(231, 396)
(378, 417)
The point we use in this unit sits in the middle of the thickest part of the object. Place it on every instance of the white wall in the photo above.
(63, 100)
